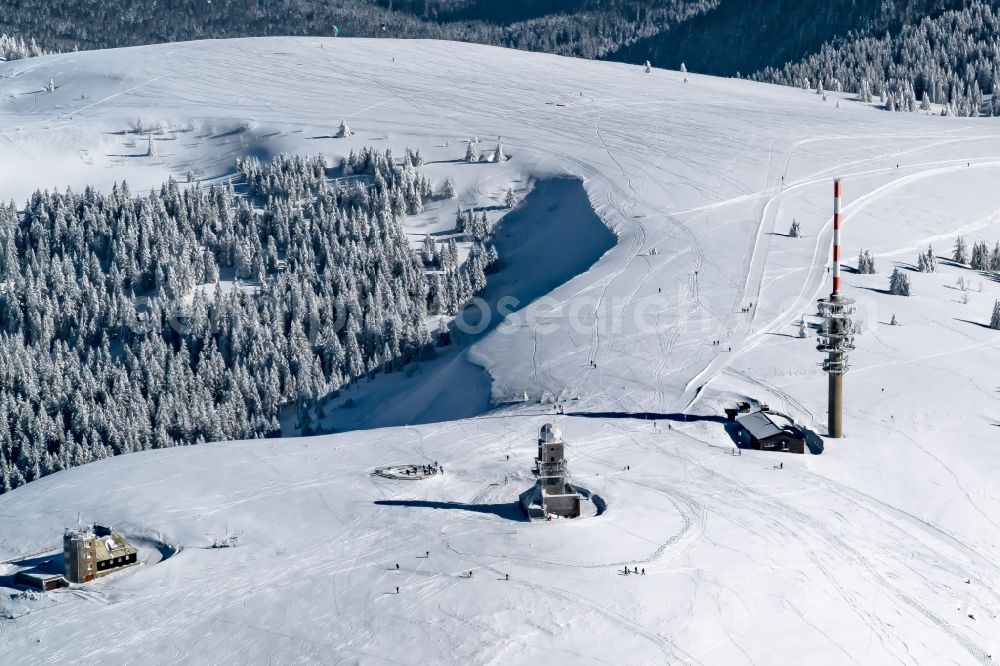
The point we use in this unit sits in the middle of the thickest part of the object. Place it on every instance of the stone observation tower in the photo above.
(552, 494)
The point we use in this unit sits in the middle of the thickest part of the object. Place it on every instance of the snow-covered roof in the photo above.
(759, 425)
(550, 434)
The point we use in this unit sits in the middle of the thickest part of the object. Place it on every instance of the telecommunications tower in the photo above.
(836, 337)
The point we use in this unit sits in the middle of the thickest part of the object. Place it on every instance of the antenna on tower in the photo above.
(836, 337)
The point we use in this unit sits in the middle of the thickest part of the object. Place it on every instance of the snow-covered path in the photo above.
(856, 556)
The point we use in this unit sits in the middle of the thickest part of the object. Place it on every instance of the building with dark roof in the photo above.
(767, 431)
(39, 580)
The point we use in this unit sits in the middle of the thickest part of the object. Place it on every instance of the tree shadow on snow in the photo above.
(974, 323)
(511, 511)
(649, 416)
(885, 292)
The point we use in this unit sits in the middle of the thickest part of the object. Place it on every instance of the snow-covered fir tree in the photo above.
(498, 156)
(151, 147)
(865, 93)
(980, 260)
(961, 253)
(926, 261)
(995, 319)
(995, 258)
(471, 154)
(448, 191)
(795, 231)
(510, 199)
(899, 283)
(443, 333)
(414, 158)
(429, 251)
(866, 263)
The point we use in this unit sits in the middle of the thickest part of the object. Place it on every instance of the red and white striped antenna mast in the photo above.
(836, 237)
(836, 337)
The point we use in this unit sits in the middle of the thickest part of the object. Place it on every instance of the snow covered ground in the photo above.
(884, 549)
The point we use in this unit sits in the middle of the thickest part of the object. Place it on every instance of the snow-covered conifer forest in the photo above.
(14, 47)
(119, 336)
(906, 55)
(950, 59)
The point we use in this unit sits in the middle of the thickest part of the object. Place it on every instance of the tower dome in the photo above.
(550, 434)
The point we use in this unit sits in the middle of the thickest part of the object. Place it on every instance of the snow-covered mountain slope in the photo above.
(858, 555)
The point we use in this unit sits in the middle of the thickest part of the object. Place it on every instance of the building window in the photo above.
(90, 567)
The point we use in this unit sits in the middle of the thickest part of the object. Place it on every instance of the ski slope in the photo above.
(884, 549)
